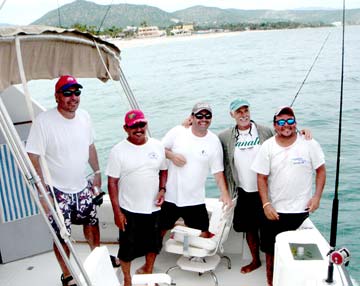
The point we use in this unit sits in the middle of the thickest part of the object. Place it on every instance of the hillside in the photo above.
(122, 15)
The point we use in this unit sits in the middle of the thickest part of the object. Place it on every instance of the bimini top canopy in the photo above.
(49, 52)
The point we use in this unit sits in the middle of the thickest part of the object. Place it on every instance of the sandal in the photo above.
(67, 280)
(113, 261)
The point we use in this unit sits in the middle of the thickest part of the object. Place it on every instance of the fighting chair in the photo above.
(200, 254)
(101, 273)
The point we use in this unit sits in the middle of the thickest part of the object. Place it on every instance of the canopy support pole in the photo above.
(31, 177)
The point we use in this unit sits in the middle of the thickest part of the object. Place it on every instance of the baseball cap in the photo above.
(284, 110)
(237, 103)
(134, 116)
(65, 82)
(201, 106)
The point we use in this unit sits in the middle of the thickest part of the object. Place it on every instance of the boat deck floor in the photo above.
(43, 270)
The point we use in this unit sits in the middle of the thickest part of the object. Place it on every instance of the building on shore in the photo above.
(182, 30)
(148, 32)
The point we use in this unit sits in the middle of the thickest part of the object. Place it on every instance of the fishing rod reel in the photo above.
(98, 199)
(340, 257)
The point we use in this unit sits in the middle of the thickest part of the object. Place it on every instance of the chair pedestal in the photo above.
(198, 264)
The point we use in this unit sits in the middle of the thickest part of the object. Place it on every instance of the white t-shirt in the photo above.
(290, 171)
(65, 145)
(246, 148)
(186, 185)
(137, 167)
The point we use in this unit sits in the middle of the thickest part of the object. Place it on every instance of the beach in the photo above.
(150, 41)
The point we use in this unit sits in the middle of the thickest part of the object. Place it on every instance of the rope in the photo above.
(2, 5)
(309, 71)
(124, 83)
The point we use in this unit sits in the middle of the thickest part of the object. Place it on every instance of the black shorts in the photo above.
(193, 216)
(248, 213)
(141, 235)
(271, 228)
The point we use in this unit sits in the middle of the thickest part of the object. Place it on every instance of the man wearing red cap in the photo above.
(137, 176)
(64, 137)
(284, 165)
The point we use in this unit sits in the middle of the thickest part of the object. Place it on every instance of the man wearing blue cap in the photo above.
(241, 144)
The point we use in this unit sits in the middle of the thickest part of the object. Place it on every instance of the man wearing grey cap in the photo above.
(241, 144)
(192, 152)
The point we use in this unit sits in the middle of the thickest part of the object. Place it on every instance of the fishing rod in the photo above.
(103, 19)
(309, 71)
(342, 256)
(59, 13)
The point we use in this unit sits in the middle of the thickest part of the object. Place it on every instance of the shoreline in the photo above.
(150, 41)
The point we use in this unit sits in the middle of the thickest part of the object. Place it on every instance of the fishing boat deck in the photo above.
(43, 270)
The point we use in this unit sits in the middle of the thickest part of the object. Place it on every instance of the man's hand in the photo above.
(226, 199)
(120, 221)
(270, 212)
(313, 204)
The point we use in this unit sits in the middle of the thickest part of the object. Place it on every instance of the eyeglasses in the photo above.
(68, 93)
(201, 116)
(281, 122)
(138, 125)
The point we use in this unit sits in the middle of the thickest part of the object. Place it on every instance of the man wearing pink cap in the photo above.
(137, 176)
(285, 165)
(65, 138)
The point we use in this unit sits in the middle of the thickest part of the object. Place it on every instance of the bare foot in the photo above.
(143, 270)
(250, 267)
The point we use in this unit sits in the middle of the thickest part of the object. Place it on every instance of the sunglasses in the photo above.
(68, 93)
(201, 116)
(281, 122)
(138, 125)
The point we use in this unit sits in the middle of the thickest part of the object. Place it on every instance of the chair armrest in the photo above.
(186, 230)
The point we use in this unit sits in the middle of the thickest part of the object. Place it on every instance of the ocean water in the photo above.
(265, 67)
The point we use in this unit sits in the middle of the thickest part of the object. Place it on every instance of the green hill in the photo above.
(122, 15)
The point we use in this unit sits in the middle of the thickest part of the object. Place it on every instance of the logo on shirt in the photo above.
(298, 161)
(153, 155)
(247, 144)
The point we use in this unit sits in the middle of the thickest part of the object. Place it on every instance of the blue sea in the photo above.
(267, 68)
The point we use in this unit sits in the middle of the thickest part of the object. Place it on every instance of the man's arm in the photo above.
(178, 159)
(269, 211)
(94, 163)
(314, 202)
(224, 192)
(113, 189)
(160, 198)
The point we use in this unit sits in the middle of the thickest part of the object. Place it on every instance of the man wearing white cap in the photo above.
(285, 165)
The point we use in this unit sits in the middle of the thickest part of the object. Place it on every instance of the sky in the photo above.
(23, 12)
